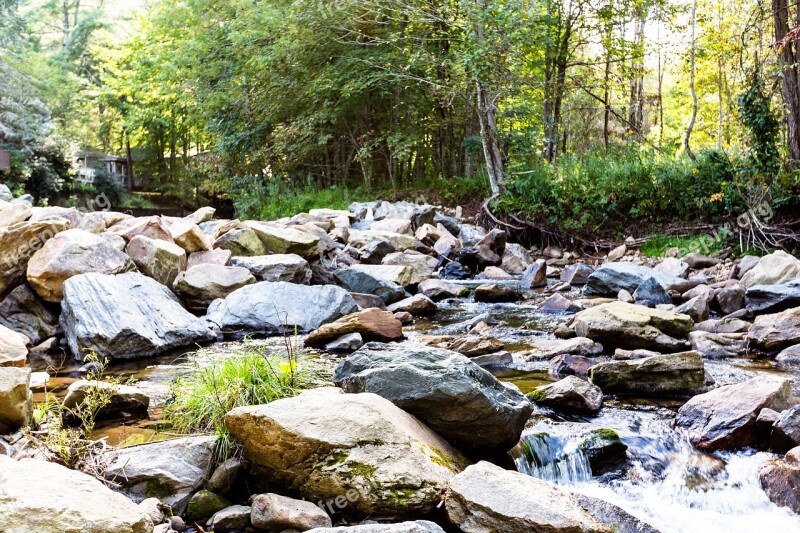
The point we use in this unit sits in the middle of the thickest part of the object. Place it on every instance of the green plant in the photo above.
(657, 245)
(109, 185)
(252, 376)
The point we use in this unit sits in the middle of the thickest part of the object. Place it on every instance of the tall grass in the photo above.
(253, 376)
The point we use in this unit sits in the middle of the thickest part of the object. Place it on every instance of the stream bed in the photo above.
(666, 482)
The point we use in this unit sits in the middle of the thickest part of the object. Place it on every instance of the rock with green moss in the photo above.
(358, 455)
(624, 325)
(204, 504)
(170, 470)
(674, 375)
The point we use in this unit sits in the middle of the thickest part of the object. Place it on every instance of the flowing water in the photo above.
(667, 483)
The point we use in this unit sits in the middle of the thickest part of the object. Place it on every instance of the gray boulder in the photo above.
(126, 316)
(201, 285)
(571, 393)
(773, 298)
(419, 526)
(611, 278)
(278, 267)
(273, 308)
(576, 274)
(19, 242)
(274, 512)
(24, 312)
(454, 396)
(771, 333)
(718, 345)
(786, 431)
(725, 418)
(363, 282)
(171, 470)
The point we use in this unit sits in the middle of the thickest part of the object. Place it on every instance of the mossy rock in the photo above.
(204, 504)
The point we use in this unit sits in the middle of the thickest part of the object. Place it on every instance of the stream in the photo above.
(666, 483)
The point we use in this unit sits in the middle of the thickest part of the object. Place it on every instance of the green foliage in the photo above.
(252, 376)
(763, 125)
(657, 245)
(589, 192)
(107, 184)
(47, 167)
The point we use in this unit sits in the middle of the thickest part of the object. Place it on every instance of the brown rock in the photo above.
(373, 325)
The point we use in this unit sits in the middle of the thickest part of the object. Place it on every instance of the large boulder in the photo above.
(18, 243)
(725, 418)
(278, 240)
(780, 479)
(14, 214)
(611, 278)
(24, 312)
(624, 325)
(241, 241)
(126, 316)
(150, 227)
(372, 324)
(189, 236)
(161, 260)
(324, 444)
(37, 496)
(397, 274)
(68, 254)
(777, 267)
(362, 282)
(273, 308)
(15, 399)
(170, 470)
(13, 347)
(454, 396)
(772, 333)
(773, 298)
(277, 267)
(418, 526)
(486, 498)
(673, 375)
(201, 285)
(422, 266)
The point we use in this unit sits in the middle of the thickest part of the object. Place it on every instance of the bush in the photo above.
(105, 183)
(252, 377)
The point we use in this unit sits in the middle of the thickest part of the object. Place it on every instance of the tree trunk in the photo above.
(693, 118)
(636, 104)
(791, 83)
(487, 116)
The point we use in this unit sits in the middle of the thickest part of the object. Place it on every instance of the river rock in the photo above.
(15, 399)
(13, 348)
(218, 256)
(417, 305)
(399, 242)
(24, 312)
(274, 308)
(611, 278)
(476, 345)
(126, 316)
(68, 254)
(650, 293)
(150, 227)
(679, 375)
(345, 344)
(14, 214)
(775, 332)
(43, 497)
(277, 267)
(355, 280)
(230, 520)
(789, 356)
(718, 345)
(422, 266)
(780, 479)
(70, 214)
(571, 365)
(576, 274)
(171, 470)
(725, 418)
(418, 526)
(623, 325)
(515, 259)
(121, 398)
(535, 276)
(673, 267)
(241, 241)
(786, 430)
(571, 393)
(278, 240)
(775, 268)
(454, 396)
(485, 498)
(273, 512)
(487, 252)
(18, 243)
(617, 253)
(324, 443)
(732, 298)
(372, 324)
(494, 293)
(161, 260)
(189, 236)
(697, 308)
(557, 303)
(773, 298)
(724, 325)
(201, 285)
(438, 289)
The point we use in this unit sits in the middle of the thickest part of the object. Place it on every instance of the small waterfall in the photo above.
(552, 459)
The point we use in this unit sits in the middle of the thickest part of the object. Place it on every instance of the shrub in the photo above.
(105, 183)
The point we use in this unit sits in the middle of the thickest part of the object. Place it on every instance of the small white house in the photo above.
(89, 165)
